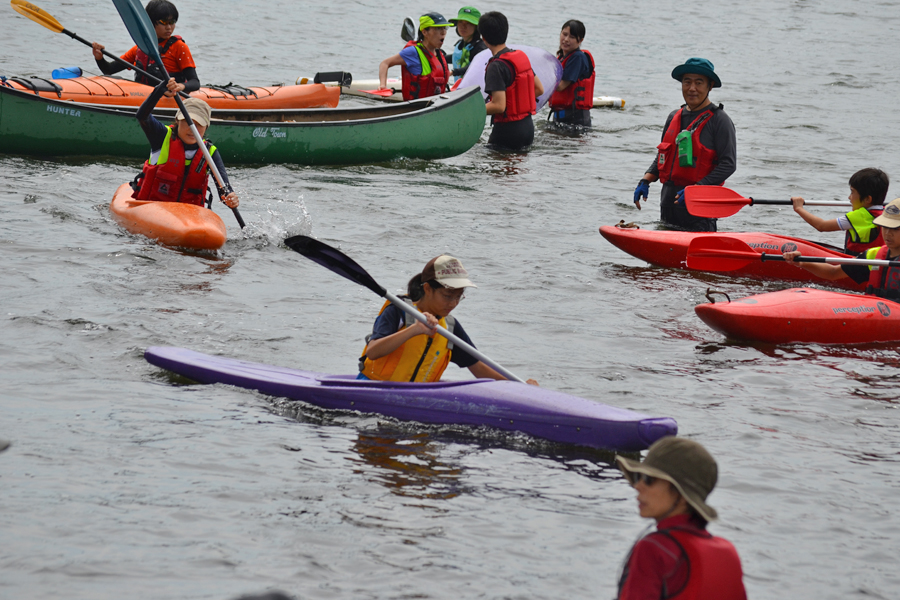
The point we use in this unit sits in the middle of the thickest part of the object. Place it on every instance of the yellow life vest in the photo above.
(421, 359)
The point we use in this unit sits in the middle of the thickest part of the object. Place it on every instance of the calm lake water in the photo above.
(123, 480)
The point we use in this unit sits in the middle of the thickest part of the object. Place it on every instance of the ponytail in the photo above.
(414, 288)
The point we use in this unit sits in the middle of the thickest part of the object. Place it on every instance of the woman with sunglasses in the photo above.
(176, 55)
(680, 559)
(401, 348)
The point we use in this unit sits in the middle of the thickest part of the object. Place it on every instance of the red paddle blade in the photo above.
(385, 92)
(713, 202)
(719, 253)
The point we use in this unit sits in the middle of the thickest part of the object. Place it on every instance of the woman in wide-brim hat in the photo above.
(680, 559)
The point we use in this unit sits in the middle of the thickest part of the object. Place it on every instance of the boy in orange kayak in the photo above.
(176, 55)
(868, 189)
(176, 170)
(401, 348)
(680, 559)
(884, 281)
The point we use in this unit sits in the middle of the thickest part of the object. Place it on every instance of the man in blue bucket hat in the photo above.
(698, 147)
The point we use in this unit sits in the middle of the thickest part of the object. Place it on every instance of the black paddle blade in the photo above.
(139, 26)
(334, 260)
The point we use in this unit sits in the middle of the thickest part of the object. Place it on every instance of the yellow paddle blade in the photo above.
(37, 15)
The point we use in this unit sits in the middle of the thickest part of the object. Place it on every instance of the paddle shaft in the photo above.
(806, 203)
(834, 261)
(411, 310)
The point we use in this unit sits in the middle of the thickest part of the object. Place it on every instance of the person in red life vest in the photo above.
(176, 55)
(423, 66)
(868, 188)
(573, 98)
(511, 85)
(884, 281)
(680, 559)
(176, 170)
(400, 348)
(698, 147)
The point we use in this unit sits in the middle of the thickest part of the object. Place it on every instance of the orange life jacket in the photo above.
(580, 94)
(520, 100)
(704, 158)
(145, 63)
(421, 358)
(714, 566)
(172, 178)
(434, 77)
(884, 281)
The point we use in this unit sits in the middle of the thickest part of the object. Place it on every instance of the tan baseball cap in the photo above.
(890, 218)
(198, 109)
(447, 271)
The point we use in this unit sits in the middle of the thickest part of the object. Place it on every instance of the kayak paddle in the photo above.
(723, 253)
(408, 33)
(717, 202)
(337, 262)
(386, 92)
(141, 29)
(42, 17)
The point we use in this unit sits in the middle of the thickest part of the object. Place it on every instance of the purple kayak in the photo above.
(502, 404)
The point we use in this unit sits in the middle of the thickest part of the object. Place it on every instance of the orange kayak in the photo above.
(169, 223)
(113, 91)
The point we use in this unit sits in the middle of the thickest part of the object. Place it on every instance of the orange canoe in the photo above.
(169, 223)
(114, 91)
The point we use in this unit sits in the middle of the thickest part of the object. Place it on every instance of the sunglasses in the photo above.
(637, 478)
(167, 21)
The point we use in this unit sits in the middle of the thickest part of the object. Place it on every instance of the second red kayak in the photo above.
(670, 248)
(805, 315)
(169, 223)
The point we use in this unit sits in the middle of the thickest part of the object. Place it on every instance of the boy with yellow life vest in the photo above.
(401, 348)
(511, 85)
(698, 147)
(680, 559)
(573, 98)
(176, 170)
(868, 188)
(884, 281)
(423, 66)
(175, 54)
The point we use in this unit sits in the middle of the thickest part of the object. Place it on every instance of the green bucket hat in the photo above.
(467, 13)
(432, 20)
(698, 66)
(685, 464)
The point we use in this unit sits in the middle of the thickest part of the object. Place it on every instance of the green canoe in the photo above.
(436, 127)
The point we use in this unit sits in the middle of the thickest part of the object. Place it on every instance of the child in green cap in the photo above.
(470, 42)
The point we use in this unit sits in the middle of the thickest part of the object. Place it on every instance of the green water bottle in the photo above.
(685, 149)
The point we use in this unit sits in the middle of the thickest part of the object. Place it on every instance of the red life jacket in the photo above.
(174, 180)
(873, 235)
(714, 566)
(145, 63)
(520, 100)
(704, 158)
(580, 94)
(422, 86)
(884, 281)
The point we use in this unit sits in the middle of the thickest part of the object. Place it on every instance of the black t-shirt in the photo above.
(498, 75)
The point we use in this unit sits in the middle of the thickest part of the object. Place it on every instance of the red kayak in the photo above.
(670, 248)
(805, 315)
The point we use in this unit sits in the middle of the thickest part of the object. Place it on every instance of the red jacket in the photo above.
(520, 100)
(580, 94)
(704, 158)
(170, 179)
(422, 86)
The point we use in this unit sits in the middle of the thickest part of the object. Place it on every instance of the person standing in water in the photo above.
(424, 69)
(470, 42)
(175, 54)
(680, 559)
(698, 147)
(511, 85)
(573, 99)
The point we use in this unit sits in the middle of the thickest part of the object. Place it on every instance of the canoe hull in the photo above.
(805, 315)
(432, 128)
(669, 249)
(502, 404)
(169, 223)
(113, 91)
